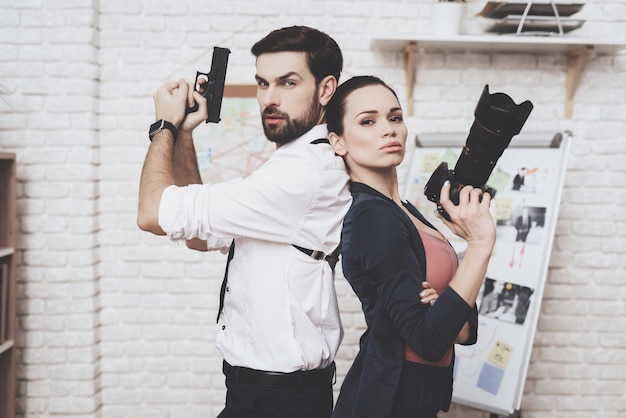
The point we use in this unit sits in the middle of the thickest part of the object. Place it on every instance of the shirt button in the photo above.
(227, 289)
(223, 327)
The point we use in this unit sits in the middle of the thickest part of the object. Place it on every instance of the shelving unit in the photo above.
(8, 222)
(576, 49)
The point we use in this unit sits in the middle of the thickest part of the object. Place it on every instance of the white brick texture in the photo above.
(114, 322)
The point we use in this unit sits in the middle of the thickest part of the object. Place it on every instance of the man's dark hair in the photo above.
(323, 54)
(336, 108)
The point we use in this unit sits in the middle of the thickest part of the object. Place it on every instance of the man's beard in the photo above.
(290, 129)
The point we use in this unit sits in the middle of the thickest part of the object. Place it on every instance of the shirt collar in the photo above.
(316, 132)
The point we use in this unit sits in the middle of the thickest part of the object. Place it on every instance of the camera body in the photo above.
(496, 120)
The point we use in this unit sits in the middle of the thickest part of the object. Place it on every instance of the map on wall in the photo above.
(234, 147)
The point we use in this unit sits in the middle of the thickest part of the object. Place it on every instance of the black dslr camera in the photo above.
(497, 120)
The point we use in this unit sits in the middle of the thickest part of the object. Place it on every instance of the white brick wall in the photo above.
(115, 322)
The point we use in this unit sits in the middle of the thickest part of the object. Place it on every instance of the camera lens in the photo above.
(497, 119)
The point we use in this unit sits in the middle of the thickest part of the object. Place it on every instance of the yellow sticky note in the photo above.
(450, 157)
(499, 179)
(500, 354)
(502, 209)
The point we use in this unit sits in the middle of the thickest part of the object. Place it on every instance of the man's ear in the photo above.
(327, 88)
(337, 143)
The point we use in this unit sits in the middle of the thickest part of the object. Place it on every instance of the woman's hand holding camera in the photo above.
(471, 218)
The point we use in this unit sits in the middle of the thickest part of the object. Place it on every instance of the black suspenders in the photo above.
(331, 258)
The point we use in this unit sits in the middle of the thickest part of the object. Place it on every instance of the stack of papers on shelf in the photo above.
(532, 18)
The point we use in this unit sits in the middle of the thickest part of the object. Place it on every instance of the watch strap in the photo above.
(159, 126)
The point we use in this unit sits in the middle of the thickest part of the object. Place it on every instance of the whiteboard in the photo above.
(528, 180)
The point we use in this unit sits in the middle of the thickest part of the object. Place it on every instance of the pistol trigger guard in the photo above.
(193, 108)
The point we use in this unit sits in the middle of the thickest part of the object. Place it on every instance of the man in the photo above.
(279, 327)
(523, 224)
(518, 180)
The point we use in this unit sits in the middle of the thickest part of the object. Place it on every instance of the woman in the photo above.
(404, 366)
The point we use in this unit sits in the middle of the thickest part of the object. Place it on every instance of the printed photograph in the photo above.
(526, 224)
(505, 301)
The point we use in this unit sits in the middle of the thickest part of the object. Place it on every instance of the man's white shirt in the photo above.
(280, 309)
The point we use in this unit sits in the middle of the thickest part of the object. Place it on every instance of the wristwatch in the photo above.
(159, 125)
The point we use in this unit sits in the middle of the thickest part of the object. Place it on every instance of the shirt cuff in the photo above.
(183, 212)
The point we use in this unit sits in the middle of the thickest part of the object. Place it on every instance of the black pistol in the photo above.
(213, 87)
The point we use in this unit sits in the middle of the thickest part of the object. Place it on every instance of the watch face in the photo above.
(159, 125)
(155, 127)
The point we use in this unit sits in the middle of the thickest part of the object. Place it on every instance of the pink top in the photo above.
(441, 265)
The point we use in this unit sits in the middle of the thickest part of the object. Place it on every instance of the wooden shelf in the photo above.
(576, 49)
(8, 320)
(6, 251)
(5, 346)
(499, 43)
